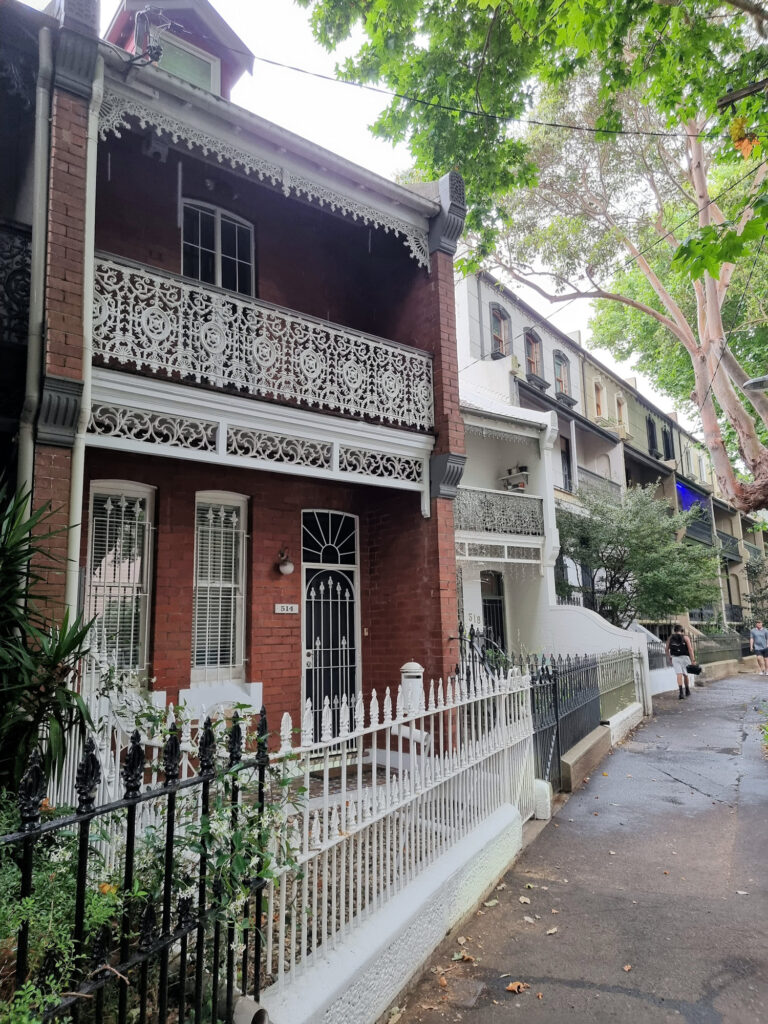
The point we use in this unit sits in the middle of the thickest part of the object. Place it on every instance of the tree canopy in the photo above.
(594, 148)
(630, 559)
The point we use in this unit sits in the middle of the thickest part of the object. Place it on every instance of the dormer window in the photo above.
(562, 374)
(500, 332)
(217, 248)
(186, 61)
(532, 353)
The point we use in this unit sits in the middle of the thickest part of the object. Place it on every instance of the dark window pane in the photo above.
(228, 238)
(244, 279)
(207, 230)
(191, 224)
(243, 244)
(191, 267)
(228, 273)
(208, 267)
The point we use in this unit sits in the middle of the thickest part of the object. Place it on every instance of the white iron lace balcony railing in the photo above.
(175, 327)
(480, 510)
(592, 481)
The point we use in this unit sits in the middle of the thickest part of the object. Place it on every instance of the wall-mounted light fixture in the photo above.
(284, 564)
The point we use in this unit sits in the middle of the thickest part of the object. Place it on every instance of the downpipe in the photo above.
(77, 471)
(25, 468)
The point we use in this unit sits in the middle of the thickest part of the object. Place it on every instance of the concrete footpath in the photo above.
(648, 890)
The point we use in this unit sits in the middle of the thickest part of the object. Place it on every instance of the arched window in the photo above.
(532, 353)
(217, 248)
(621, 412)
(500, 332)
(562, 374)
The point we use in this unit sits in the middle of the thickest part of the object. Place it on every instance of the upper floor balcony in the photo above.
(179, 329)
(478, 510)
(753, 550)
(729, 546)
(598, 484)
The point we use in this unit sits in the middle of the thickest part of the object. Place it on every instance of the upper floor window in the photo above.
(189, 62)
(500, 332)
(219, 585)
(621, 412)
(118, 573)
(702, 468)
(666, 441)
(532, 353)
(562, 374)
(217, 248)
(650, 426)
(598, 399)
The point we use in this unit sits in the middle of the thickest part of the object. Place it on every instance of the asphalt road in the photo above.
(654, 877)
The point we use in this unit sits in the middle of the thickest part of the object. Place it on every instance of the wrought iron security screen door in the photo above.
(330, 567)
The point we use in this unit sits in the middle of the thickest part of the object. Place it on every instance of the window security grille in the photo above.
(217, 634)
(118, 580)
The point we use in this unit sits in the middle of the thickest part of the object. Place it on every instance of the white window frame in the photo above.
(204, 675)
(209, 58)
(505, 323)
(218, 212)
(128, 489)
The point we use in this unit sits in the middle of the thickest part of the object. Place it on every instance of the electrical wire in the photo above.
(466, 111)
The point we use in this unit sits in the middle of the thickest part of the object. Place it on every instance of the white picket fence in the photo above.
(387, 797)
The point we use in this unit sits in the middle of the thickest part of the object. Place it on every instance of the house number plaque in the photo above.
(286, 609)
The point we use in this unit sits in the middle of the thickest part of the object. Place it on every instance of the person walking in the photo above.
(758, 644)
(680, 652)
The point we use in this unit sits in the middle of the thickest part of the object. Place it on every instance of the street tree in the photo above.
(630, 558)
(533, 98)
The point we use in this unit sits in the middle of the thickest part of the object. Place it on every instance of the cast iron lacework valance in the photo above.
(116, 109)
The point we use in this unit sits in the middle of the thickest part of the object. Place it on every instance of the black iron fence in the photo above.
(167, 928)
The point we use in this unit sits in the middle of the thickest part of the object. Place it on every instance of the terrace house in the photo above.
(236, 373)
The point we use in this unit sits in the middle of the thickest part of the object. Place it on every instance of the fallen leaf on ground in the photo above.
(529, 920)
(666, 872)
(555, 911)
(463, 955)
(529, 885)
(612, 853)
(491, 903)
(461, 940)
(740, 892)
(395, 1014)
(605, 773)
(500, 887)
(596, 814)
(539, 995)
(627, 967)
(523, 899)
(551, 931)
(442, 982)
(517, 986)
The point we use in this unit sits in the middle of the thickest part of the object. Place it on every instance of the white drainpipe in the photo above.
(25, 470)
(78, 449)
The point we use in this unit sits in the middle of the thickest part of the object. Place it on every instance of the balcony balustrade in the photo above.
(700, 529)
(729, 546)
(753, 550)
(502, 512)
(190, 332)
(592, 481)
(704, 614)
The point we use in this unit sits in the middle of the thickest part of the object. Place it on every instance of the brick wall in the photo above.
(407, 572)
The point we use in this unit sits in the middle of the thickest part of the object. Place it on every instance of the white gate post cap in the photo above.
(412, 668)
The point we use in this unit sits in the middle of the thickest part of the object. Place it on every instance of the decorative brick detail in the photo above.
(52, 483)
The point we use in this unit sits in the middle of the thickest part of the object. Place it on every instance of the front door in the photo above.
(492, 592)
(330, 568)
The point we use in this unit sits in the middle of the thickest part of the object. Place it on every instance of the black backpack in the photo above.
(677, 645)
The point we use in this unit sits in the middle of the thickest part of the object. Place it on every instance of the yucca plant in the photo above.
(38, 658)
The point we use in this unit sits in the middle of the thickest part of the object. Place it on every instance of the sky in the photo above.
(336, 115)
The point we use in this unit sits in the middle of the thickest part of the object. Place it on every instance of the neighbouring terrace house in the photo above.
(529, 444)
(238, 383)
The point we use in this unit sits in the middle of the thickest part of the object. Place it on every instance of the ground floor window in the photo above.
(118, 572)
(219, 584)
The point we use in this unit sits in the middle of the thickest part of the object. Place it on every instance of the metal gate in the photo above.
(329, 565)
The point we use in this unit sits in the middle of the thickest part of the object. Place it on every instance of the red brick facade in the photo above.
(407, 578)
